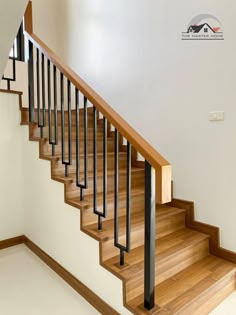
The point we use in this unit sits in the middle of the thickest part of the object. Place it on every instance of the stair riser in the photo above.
(47, 150)
(25, 118)
(170, 225)
(137, 180)
(163, 228)
(167, 268)
(137, 203)
(35, 132)
(109, 250)
(59, 168)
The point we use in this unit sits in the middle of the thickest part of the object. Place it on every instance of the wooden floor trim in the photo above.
(12, 242)
(212, 231)
(78, 286)
(11, 91)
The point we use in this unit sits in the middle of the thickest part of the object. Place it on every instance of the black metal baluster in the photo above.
(42, 124)
(55, 142)
(49, 102)
(17, 54)
(128, 197)
(85, 184)
(95, 167)
(101, 214)
(20, 44)
(13, 59)
(122, 248)
(77, 127)
(43, 95)
(68, 162)
(38, 86)
(8, 84)
(31, 81)
(104, 167)
(149, 242)
(62, 119)
(116, 197)
(51, 141)
(14, 63)
(69, 127)
(85, 147)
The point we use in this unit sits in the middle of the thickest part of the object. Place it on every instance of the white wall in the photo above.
(11, 13)
(11, 171)
(132, 54)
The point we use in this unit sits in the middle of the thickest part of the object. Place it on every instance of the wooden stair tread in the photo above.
(88, 199)
(165, 247)
(182, 289)
(36, 134)
(73, 140)
(100, 154)
(165, 211)
(57, 157)
(173, 253)
(110, 172)
(136, 224)
(73, 111)
(62, 178)
(46, 147)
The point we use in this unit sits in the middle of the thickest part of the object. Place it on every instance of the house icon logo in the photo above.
(204, 27)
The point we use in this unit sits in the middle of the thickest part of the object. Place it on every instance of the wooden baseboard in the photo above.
(212, 231)
(11, 91)
(12, 242)
(78, 286)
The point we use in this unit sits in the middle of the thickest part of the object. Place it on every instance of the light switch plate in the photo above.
(216, 116)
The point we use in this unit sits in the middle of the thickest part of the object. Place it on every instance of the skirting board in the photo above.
(212, 231)
(78, 286)
(12, 242)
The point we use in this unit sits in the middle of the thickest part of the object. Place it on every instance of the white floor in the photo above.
(29, 287)
(227, 307)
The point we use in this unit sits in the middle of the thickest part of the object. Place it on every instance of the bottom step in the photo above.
(196, 290)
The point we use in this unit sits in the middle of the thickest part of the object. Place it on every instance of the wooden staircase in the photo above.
(189, 279)
(193, 274)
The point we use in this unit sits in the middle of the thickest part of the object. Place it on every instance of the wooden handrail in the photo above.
(159, 163)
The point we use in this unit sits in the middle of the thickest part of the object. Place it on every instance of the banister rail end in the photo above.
(164, 185)
(29, 18)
